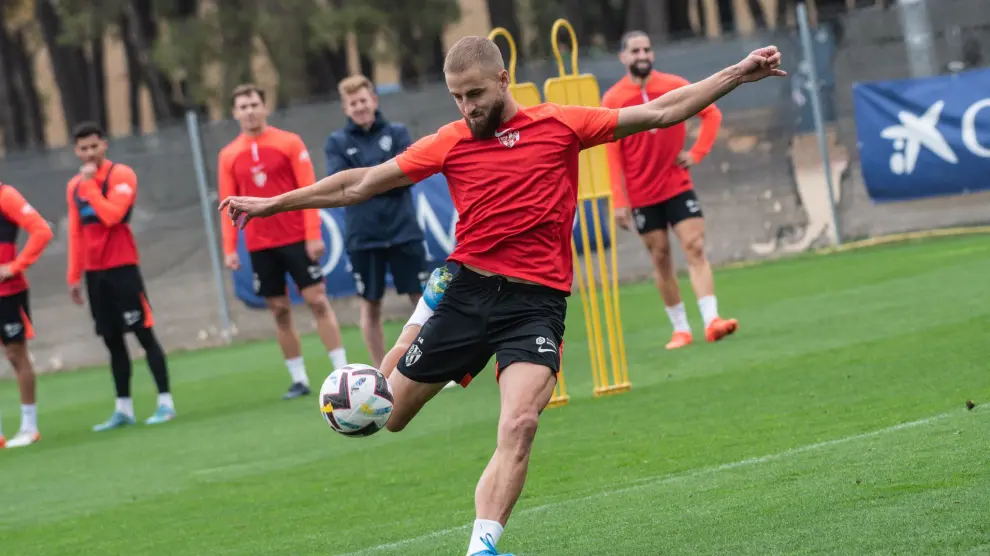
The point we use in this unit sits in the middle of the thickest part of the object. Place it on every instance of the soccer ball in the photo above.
(356, 400)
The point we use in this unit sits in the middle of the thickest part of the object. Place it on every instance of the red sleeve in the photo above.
(227, 187)
(17, 210)
(76, 247)
(302, 167)
(593, 125)
(121, 192)
(423, 158)
(711, 118)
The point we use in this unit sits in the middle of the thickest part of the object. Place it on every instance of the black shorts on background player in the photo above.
(15, 318)
(406, 263)
(667, 213)
(271, 265)
(117, 300)
(481, 316)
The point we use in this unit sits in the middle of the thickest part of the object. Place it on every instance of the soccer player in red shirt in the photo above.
(15, 312)
(513, 177)
(651, 186)
(267, 161)
(101, 245)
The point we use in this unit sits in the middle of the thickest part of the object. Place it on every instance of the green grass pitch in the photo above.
(834, 422)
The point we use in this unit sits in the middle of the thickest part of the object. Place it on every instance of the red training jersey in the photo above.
(515, 193)
(100, 235)
(15, 214)
(268, 165)
(643, 166)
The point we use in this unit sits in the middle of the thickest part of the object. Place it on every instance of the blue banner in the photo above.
(927, 137)
(436, 216)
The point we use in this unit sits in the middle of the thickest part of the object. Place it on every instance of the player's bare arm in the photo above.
(684, 102)
(339, 190)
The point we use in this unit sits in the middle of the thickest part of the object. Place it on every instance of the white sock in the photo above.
(421, 314)
(483, 528)
(125, 406)
(678, 318)
(709, 309)
(165, 398)
(297, 369)
(338, 357)
(29, 417)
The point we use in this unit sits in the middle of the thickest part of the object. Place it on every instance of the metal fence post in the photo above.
(196, 144)
(816, 109)
(918, 37)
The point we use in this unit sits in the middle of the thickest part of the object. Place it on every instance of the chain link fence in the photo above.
(762, 187)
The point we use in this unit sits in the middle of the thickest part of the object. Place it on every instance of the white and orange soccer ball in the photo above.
(356, 400)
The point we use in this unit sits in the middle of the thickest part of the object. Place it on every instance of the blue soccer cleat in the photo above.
(116, 421)
(163, 414)
(489, 550)
(437, 284)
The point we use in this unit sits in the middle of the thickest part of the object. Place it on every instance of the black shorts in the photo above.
(118, 300)
(406, 263)
(15, 318)
(481, 316)
(667, 213)
(271, 265)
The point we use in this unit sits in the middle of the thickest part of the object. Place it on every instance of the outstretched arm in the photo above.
(344, 188)
(680, 104)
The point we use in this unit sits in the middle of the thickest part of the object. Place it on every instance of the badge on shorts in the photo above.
(413, 355)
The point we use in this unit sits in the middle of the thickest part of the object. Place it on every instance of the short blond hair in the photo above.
(472, 52)
(354, 83)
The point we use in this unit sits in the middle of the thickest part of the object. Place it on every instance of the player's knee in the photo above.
(282, 314)
(371, 313)
(661, 256)
(17, 354)
(320, 307)
(694, 249)
(517, 431)
(396, 423)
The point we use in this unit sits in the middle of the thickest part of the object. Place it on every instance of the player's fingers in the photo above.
(779, 73)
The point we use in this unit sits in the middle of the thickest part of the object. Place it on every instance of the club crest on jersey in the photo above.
(385, 143)
(259, 175)
(508, 137)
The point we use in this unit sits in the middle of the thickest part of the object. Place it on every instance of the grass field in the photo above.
(832, 423)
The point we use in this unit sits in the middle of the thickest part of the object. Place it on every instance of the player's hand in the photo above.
(623, 217)
(87, 171)
(232, 261)
(685, 160)
(75, 292)
(315, 249)
(761, 63)
(6, 272)
(243, 209)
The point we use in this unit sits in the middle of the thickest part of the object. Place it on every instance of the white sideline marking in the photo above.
(665, 479)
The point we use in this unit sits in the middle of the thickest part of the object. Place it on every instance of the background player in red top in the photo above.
(264, 160)
(15, 312)
(101, 245)
(651, 176)
(513, 176)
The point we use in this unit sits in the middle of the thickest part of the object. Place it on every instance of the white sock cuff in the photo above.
(421, 314)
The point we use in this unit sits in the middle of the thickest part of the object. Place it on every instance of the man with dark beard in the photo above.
(513, 177)
(651, 182)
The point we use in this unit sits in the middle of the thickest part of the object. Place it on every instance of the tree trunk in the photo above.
(64, 62)
(237, 35)
(13, 131)
(503, 13)
(679, 13)
(726, 16)
(142, 32)
(28, 92)
(134, 77)
(97, 108)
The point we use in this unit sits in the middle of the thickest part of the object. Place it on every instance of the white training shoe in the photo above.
(450, 385)
(24, 438)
